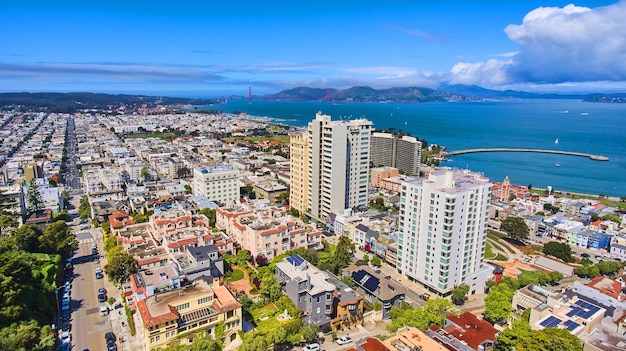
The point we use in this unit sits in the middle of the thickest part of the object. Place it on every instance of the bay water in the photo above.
(595, 128)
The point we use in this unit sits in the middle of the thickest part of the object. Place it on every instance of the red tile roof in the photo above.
(467, 327)
(153, 321)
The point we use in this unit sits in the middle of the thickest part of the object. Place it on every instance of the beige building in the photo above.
(200, 306)
(380, 174)
(218, 183)
(269, 191)
(299, 171)
(269, 231)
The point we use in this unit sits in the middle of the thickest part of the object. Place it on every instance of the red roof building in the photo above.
(464, 332)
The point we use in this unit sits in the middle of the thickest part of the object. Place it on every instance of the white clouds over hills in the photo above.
(557, 45)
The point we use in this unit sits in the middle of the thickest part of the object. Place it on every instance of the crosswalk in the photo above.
(85, 241)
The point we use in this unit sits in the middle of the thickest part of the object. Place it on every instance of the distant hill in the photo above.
(367, 94)
(612, 98)
(482, 93)
(72, 102)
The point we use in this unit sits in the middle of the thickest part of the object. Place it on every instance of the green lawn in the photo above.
(269, 323)
(236, 275)
(488, 252)
(501, 257)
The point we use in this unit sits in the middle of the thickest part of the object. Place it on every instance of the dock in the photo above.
(544, 151)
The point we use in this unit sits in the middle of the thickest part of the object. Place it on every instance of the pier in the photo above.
(544, 151)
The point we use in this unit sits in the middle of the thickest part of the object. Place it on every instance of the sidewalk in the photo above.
(125, 341)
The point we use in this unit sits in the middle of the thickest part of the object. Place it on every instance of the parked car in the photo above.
(312, 347)
(111, 346)
(109, 337)
(102, 291)
(102, 297)
(344, 340)
(585, 255)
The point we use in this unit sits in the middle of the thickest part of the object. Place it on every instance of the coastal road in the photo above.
(88, 327)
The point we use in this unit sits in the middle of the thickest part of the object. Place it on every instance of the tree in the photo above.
(558, 250)
(210, 214)
(515, 227)
(510, 337)
(349, 281)
(61, 216)
(27, 237)
(140, 218)
(120, 267)
(498, 303)
(84, 208)
(58, 239)
(243, 256)
(261, 260)
(145, 173)
(188, 189)
(309, 331)
(342, 255)
(550, 339)
(270, 288)
(376, 262)
(459, 294)
(434, 312)
(7, 221)
(33, 198)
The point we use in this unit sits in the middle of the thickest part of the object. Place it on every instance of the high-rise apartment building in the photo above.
(390, 150)
(337, 165)
(218, 183)
(299, 171)
(443, 225)
(383, 149)
(408, 155)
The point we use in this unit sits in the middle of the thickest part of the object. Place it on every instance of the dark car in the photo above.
(110, 337)
(111, 346)
(585, 255)
(102, 291)
(102, 297)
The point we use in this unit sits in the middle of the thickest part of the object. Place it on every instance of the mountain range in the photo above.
(446, 93)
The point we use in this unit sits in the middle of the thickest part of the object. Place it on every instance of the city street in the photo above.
(88, 327)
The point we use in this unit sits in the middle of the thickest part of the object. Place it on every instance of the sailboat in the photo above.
(556, 141)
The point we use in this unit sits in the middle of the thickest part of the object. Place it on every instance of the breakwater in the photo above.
(544, 151)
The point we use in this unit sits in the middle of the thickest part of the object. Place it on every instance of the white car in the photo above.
(344, 340)
(312, 347)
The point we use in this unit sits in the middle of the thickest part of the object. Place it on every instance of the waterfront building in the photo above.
(218, 183)
(383, 149)
(391, 150)
(408, 155)
(443, 227)
(338, 165)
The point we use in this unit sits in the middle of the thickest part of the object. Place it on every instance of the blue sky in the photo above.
(212, 48)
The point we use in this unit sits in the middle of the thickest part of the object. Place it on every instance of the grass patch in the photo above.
(494, 233)
(488, 253)
(538, 248)
(237, 274)
(130, 320)
(493, 243)
(501, 257)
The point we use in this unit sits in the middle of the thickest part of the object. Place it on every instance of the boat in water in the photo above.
(557, 164)
(556, 141)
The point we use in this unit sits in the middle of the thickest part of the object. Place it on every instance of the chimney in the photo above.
(216, 281)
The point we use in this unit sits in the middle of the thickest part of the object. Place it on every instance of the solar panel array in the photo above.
(583, 309)
(295, 260)
(366, 280)
(550, 322)
(571, 325)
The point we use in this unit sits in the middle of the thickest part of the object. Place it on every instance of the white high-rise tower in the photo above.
(443, 227)
(338, 164)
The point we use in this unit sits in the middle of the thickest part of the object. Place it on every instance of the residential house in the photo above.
(464, 332)
(376, 287)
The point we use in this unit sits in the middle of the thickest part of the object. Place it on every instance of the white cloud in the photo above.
(558, 45)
